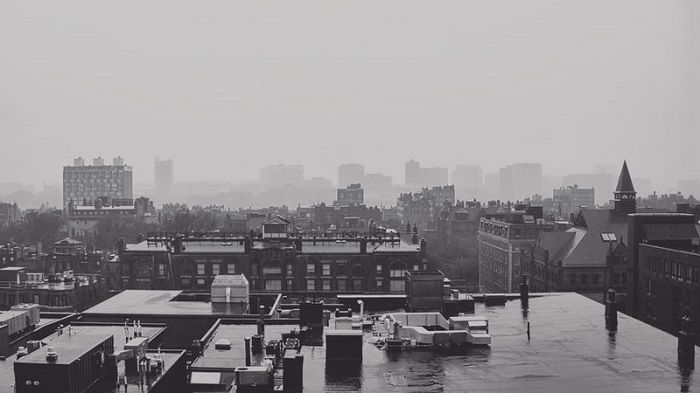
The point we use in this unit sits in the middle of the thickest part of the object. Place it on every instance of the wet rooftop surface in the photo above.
(569, 350)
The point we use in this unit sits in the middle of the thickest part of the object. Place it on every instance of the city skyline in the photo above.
(464, 84)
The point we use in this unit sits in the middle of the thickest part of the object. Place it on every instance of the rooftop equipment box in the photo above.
(82, 362)
(343, 344)
(232, 288)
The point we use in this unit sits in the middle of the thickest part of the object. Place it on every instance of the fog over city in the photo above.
(228, 88)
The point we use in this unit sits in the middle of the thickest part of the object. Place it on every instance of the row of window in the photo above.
(311, 284)
(674, 270)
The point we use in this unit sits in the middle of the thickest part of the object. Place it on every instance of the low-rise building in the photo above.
(275, 262)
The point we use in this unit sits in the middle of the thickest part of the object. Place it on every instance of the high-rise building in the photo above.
(280, 175)
(418, 176)
(412, 169)
(350, 174)
(603, 183)
(467, 180)
(572, 198)
(163, 177)
(351, 195)
(520, 181)
(89, 182)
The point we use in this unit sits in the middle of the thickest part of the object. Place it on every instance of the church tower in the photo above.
(625, 196)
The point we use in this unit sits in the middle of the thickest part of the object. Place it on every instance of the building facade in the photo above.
(422, 208)
(350, 174)
(88, 182)
(351, 195)
(568, 200)
(666, 270)
(274, 262)
(502, 240)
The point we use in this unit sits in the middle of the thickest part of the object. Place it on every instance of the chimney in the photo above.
(611, 311)
(686, 343)
(363, 245)
(524, 292)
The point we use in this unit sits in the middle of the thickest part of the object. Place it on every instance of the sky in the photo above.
(224, 88)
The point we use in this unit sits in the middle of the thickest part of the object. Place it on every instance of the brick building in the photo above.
(274, 262)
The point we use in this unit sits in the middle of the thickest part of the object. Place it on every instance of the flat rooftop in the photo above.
(157, 302)
(69, 348)
(78, 332)
(570, 350)
(235, 247)
(216, 359)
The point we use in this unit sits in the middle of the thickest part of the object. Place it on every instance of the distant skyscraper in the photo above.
(417, 176)
(81, 182)
(570, 199)
(468, 179)
(603, 183)
(350, 174)
(412, 169)
(280, 175)
(163, 177)
(520, 181)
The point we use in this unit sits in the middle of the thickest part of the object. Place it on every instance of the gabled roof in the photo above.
(558, 243)
(587, 248)
(624, 183)
(69, 240)
(277, 220)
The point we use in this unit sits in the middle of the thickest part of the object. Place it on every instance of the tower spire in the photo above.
(625, 196)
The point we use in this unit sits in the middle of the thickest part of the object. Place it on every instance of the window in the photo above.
(326, 269)
(272, 270)
(624, 278)
(397, 272)
(311, 269)
(186, 283)
(273, 285)
(161, 270)
(231, 268)
(357, 284)
(290, 269)
(290, 283)
(326, 285)
(311, 285)
(397, 285)
(572, 279)
(215, 268)
(379, 284)
(379, 269)
(342, 285)
(596, 278)
(201, 282)
(584, 279)
(616, 278)
(201, 269)
(356, 269)
(341, 269)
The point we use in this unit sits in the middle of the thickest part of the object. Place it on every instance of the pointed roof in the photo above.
(624, 183)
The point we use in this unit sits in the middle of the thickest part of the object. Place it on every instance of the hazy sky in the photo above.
(225, 87)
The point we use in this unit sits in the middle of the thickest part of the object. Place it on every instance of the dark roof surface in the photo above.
(569, 351)
(624, 183)
(587, 248)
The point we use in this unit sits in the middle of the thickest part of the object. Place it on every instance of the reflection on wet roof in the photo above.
(569, 350)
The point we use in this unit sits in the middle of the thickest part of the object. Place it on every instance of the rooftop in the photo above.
(569, 350)
(158, 302)
(79, 334)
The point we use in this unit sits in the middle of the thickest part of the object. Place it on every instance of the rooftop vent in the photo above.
(223, 344)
